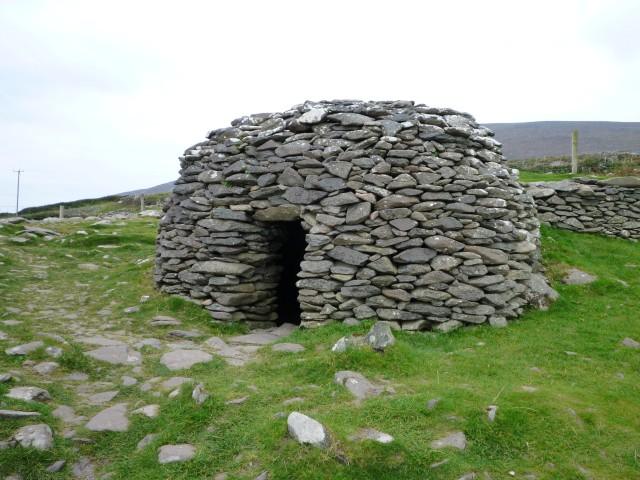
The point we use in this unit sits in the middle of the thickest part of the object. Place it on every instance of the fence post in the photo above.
(574, 152)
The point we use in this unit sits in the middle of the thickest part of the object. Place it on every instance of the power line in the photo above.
(18, 190)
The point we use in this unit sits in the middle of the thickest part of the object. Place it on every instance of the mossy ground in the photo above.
(582, 421)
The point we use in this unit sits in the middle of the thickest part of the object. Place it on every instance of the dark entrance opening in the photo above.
(293, 247)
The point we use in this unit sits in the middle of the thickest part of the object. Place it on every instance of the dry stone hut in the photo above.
(348, 210)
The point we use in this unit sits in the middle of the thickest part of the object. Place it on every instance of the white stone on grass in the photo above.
(37, 436)
(25, 348)
(630, 343)
(578, 277)
(306, 430)
(359, 386)
(176, 453)
(102, 397)
(89, 267)
(17, 414)
(372, 434)
(380, 336)
(174, 382)
(183, 359)
(56, 466)
(453, 440)
(258, 338)
(164, 320)
(146, 440)
(128, 381)
(112, 419)
(288, 347)
(199, 394)
(116, 355)
(29, 393)
(45, 368)
(54, 352)
(491, 412)
(100, 341)
(67, 415)
(151, 411)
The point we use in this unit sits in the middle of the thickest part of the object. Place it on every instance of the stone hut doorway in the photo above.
(291, 254)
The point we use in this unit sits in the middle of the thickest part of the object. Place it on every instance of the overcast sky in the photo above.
(101, 97)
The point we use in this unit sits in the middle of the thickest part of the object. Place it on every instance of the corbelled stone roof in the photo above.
(409, 211)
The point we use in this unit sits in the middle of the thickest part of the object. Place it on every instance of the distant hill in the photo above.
(162, 188)
(541, 139)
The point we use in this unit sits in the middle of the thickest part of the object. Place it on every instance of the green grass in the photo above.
(583, 421)
(93, 206)
(527, 177)
(618, 164)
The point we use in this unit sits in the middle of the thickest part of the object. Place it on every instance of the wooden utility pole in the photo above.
(18, 191)
(574, 152)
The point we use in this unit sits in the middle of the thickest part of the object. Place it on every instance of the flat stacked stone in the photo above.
(608, 207)
(409, 211)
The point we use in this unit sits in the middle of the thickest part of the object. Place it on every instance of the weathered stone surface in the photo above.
(348, 256)
(102, 397)
(283, 213)
(29, 393)
(221, 268)
(176, 453)
(182, 359)
(288, 347)
(146, 440)
(151, 411)
(199, 394)
(17, 414)
(112, 419)
(357, 384)
(37, 436)
(444, 244)
(371, 434)
(380, 336)
(56, 466)
(117, 355)
(415, 255)
(630, 343)
(45, 368)
(578, 277)
(25, 348)
(456, 440)
(83, 469)
(306, 430)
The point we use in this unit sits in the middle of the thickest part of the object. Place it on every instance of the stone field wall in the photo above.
(410, 215)
(610, 207)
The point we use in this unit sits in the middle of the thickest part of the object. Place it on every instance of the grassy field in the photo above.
(613, 164)
(567, 392)
(92, 206)
(528, 177)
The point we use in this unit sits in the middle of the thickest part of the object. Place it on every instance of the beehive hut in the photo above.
(348, 210)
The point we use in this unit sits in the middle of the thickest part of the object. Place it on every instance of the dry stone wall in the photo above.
(610, 207)
(409, 211)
